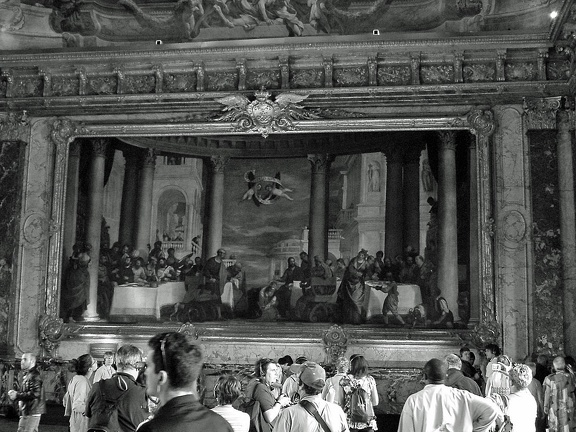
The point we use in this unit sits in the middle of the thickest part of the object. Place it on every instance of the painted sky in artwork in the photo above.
(250, 232)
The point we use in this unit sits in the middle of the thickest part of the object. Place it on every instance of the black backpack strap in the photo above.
(309, 406)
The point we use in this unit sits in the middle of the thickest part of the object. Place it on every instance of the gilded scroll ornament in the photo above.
(335, 343)
(263, 115)
(482, 122)
(51, 331)
(485, 333)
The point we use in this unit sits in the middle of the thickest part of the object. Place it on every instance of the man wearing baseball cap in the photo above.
(312, 414)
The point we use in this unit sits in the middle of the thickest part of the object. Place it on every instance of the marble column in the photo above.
(411, 202)
(129, 195)
(318, 236)
(71, 205)
(216, 205)
(94, 218)
(447, 221)
(144, 205)
(473, 234)
(567, 228)
(394, 204)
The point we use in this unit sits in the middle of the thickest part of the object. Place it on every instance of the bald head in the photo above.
(435, 371)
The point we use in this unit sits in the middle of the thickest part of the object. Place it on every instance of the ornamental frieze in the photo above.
(179, 82)
(558, 70)
(437, 74)
(394, 75)
(221, 81)
(306, 78)
(521, 72)
(350, 77)
(259, 78)
(105, 85)
(139, 84)
(481, 72)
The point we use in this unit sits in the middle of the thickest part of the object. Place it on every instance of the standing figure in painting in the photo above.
(352, 291)
(215, 272)
(77, 286)
(105, 287)
(291, 274)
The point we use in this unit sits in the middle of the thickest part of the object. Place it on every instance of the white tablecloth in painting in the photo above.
(140, 300)
(408, 297)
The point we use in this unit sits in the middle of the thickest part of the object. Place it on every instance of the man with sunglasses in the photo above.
(119, 403)
(173, 365)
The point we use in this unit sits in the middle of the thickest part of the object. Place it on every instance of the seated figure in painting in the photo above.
(440, 315)
(164, 272)
(318, 302)
(171, 259)
(352, 292)
(267, 302)
(157, 251)
(139, 272)
(150, 271)
(126, 275)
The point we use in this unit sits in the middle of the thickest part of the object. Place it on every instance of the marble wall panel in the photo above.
(10, 187)
(547, 282)
(513, 219)
(33, 253)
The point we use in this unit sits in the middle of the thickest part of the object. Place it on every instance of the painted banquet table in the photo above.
(141, 300)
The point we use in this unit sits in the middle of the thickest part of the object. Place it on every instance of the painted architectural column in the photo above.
(94, 218)
(394, 204)
(216, 205)
(144, 204)
(318, 228)
(567, 227)
(474, 300)
(71, 205)
(447, 221)
(411, 202)
(129, 195)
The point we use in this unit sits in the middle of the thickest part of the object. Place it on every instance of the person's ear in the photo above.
(163, 377)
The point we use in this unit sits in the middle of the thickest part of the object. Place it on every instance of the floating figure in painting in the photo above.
(272, 189)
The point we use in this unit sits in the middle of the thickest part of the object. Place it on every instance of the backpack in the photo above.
(251, 406)
(359, 406)
(104, 413)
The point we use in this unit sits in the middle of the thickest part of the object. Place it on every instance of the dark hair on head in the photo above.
(494, 348)
(359, 366)
(261, 366)
(286, 360)
(82, 364)
(310, 391)
(227, 389)
(472, 357)
(435, 370)
(180, 357)
(463, 350)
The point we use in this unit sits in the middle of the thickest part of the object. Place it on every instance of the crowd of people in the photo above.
(159, 391)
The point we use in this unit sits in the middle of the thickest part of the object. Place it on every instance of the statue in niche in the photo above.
(176, 221)
(427, 177)
(373, 177)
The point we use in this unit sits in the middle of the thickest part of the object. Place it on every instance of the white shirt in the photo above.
(102, 373)
(240, 421)
(440, 408)
(522, 409)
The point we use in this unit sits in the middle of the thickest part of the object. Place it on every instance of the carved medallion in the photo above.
(35, 227)
(335, 343)
(513, 227)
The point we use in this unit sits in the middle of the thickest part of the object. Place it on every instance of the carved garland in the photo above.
(483, 125)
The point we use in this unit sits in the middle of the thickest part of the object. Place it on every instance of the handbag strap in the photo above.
(309, 406)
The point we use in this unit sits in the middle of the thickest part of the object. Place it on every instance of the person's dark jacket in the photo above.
(121, 393)
(31, 395)
(467, 369)
(456, 379)
(185, 414)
